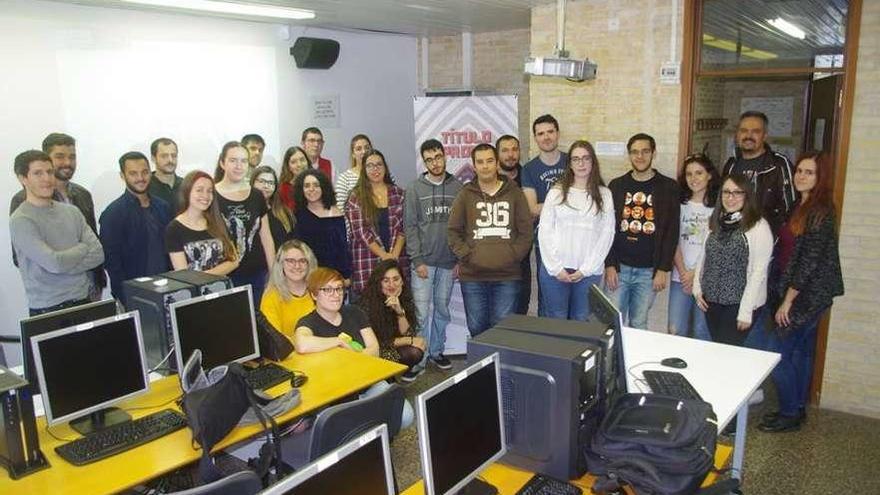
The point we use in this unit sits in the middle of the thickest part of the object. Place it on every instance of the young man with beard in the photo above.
(61, 148)
(165, 183)
(426, 214)
(647, 206)
(490, 231)
(255, 146)
(540, 173)
(54, 245)
(508, 159)
(133, 227)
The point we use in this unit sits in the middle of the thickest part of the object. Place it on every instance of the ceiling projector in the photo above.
(573, 70)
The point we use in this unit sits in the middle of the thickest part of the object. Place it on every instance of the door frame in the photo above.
(690, 64)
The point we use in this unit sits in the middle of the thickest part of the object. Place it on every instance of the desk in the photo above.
(508, 479)
(333, 374)
(724, 375)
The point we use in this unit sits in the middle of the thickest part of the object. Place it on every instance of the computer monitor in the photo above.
(607, 313)
(360, 467)
(221, 325)
(56, 320)
(84, 369)
(461, 428)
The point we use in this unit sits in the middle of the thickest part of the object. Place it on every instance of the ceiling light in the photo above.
(231, 8)
(731, 46)
(787, 28)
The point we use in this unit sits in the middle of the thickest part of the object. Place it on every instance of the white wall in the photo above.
(116, 79)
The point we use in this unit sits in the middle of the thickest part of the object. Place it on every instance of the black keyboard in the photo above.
(671, 384)
(545, 485)
(121, 437)
(267, 375)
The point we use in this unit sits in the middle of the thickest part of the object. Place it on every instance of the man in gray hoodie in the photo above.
(428, 202)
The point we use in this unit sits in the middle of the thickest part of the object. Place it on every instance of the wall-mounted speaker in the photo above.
(314, 53)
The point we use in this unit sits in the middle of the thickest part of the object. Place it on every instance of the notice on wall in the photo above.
(610, 148)
(325, 111)
(779, 111)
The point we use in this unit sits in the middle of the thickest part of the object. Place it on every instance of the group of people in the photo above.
(749, 254)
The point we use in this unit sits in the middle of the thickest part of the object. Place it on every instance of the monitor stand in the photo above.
(478, 487)
(99, 420)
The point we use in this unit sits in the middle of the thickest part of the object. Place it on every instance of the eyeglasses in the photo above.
(695, 156)
(645, 152)
(374, 166)
(434, 159)
(329, 291)
(733, 194)
(581, 160)
(295, 261)
(265, 182)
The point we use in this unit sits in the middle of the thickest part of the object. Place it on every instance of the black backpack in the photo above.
(658, 445)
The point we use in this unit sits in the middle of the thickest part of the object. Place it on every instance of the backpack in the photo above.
(659, 445)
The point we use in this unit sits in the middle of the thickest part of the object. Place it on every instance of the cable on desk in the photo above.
(56, 437)
(159, 365)
(140, 408)
(636, 378)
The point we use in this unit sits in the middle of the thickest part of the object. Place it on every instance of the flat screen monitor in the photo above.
(84, 369)
(461, 427)
(56, 320)
(607, 313)
(221, 325)
(360, 467)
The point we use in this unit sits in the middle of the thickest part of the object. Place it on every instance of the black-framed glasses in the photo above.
(329, 291)
(728, 193)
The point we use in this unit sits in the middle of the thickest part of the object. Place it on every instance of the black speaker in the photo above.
(315, 53)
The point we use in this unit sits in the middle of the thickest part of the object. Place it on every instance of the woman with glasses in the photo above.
(375, 215)
(319, 223)
(345, 182)
(281, 220)
(699, 182)
(388, 302)
(809, 261)
(730, 280)
(286, 299)
(247, 221)
(577, 229)
(294, 163)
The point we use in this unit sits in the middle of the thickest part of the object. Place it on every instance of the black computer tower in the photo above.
(205, 283)
(152, 297)
(20, 450)
(596, 333)
(550, 390)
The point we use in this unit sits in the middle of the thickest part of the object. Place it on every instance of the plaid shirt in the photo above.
(362, 234)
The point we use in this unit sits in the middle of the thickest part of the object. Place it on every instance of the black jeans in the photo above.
(721, 320)
(64, 305)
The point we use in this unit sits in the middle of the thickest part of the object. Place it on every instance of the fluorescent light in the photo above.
(731, 46)
(787, 28)
(231, 8)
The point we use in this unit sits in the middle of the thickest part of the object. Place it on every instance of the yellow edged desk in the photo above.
(508, 480)
(333, 375)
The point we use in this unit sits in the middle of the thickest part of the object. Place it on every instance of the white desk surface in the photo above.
(724, 375)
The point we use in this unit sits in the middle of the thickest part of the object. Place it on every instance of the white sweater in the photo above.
(574, 235)
(760, 241)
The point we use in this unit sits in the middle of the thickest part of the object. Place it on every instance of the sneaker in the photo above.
(757, 397)
(441, 362)
(411, 374)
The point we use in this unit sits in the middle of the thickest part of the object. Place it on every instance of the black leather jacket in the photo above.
(772, 183)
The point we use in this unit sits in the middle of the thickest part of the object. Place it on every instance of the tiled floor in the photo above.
(834, 453)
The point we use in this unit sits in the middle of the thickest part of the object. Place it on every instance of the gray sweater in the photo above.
(55, 249)
(426, 214)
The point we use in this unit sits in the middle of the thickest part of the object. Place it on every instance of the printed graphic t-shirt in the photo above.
(692, 235)
(541, 177)
(243, 223)
(202, 250)
(635, 238)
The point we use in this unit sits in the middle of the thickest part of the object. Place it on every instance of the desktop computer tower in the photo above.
(550, 390)
(596, 333)
(152, 296)
(205, 283)
(20, 450)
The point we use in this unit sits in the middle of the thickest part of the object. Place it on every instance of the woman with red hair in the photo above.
(811, 278)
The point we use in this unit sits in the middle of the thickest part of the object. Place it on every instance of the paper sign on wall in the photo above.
(325, 111)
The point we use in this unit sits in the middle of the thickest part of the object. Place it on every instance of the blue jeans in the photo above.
(436, 290)
(486, 303)
(760, 334)
(566, 301)
(634, 295)
(682, 308)
(257, 282)
(795, 369)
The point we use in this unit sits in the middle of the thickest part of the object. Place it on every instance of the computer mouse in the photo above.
(298, 380)
(674, 362)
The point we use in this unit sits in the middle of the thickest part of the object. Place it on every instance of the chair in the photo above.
(338, 424)
(240, 483)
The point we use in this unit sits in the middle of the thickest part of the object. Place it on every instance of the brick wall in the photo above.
(498, 59)
(852, 363)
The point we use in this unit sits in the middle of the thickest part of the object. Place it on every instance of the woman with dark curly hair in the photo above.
(319, 223)
(389, 305)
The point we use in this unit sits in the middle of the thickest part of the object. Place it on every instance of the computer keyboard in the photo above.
(545, 485)
(267, 375)
(670, 383)
(119, 438)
